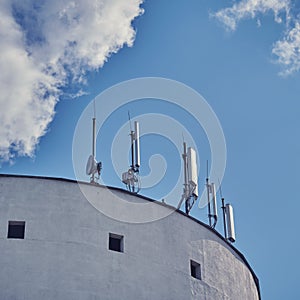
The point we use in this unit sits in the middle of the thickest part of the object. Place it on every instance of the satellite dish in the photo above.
(91, 166)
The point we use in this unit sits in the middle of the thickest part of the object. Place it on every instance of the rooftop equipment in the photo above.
(190, 189)
(131, 177)
(92, 166)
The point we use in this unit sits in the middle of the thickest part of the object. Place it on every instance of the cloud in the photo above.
(46, 45)
(248, 9)
(285, 50)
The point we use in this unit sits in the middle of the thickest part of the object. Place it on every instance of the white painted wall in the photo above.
(65, 255)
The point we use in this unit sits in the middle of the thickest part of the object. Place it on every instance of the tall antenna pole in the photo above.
(208, 198)
(190, 189)
(132, 149)
(94, 139)
(132, 142)
(224, 218)
(137, 146)
(224, 211)
(185, 189)
(94, 145)
(92, 166)
(131, 177)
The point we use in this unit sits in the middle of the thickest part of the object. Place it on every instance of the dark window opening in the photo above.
(16, 230)
(116, 242)
(195, 270)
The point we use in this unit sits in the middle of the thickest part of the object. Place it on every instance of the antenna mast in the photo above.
(131, 177)
(211, 197)
(94, 145)
(190, 186)
(224, 211)
(92, 167)
(208, 199)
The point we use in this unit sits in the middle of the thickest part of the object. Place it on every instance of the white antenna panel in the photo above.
(214, 200)
(192, 169)
(91, 166)
(230, 223)
(137, 144)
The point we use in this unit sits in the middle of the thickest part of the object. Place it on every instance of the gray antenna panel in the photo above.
(214, 200)
(137, 144)
(192, 169)
(230, 223)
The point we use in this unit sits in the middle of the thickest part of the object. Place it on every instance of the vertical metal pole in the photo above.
(94, 145)
(132, 150)
(185, 189)
(208, 202)
(208, 198)
(137, 145)
(224, 218)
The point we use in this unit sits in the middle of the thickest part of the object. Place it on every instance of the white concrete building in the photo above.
(55, 245)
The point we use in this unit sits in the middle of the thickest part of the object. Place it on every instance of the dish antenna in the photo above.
(92, 166)
(190, 189)
(131, 177)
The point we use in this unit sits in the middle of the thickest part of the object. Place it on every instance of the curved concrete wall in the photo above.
(65, 251)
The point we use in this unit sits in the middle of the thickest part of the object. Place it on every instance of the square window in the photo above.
(116, 242)
(16, 230)
(195, 270)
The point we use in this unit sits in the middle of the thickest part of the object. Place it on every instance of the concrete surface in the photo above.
(65, 255)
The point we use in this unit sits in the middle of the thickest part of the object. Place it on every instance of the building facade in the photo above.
(55, 244)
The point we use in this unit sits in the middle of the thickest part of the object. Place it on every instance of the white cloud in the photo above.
(248, 9)
(286, 50)
(45, 45)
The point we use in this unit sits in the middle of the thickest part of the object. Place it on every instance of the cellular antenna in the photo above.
(228, 219)
(92, 166)
(223, 210)
(137, 145)
(208, 192)
(211, 201)
(190, 185)
(131, 177)
(230, 223)
(214, 204)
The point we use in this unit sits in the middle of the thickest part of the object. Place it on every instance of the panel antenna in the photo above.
(190, 186)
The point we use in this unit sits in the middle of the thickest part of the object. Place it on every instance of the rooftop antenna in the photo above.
(230, 223)
(214, 204)
(208, 192)
(190, 186)
(131, 177)
(228, 219)
(92, 166)
(211, 201)
(223, 210)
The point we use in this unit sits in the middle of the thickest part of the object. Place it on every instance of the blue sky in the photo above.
(241, 56)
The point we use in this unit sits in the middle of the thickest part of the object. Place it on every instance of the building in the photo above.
(55, 245)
